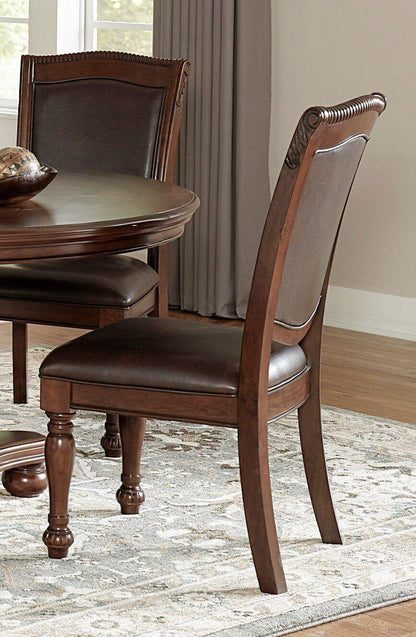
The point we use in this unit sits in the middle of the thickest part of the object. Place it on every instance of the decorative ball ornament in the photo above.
(15, 160)
(21, 175)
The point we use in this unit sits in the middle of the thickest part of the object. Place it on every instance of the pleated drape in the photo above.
(223, 147)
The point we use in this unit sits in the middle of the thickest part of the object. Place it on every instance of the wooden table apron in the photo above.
(83, 214)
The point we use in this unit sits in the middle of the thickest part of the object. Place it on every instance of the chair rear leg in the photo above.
(19, 346)
(158, 260)
(130, 495)
(310, 429)
(258, 507)
(110, 441)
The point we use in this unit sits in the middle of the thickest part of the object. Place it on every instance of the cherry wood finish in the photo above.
(111, 441)
(372, 382)
(169, 75)
(83, 214)
(310, 430)
(79, 216)
(22, 463)
(319, 128)
(25, 482)
(157, 79)
(60, 448)
(254, 405)
(19, 352)
(130, 495)
(362, 372)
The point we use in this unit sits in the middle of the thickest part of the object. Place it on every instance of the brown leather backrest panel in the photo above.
(319, 213)
(97, 124)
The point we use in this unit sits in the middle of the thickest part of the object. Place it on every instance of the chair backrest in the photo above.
(302, 226)
(102, 111)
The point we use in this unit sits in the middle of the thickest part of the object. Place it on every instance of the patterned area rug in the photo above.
(182, 568)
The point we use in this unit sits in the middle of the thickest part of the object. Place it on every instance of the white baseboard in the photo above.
(371, 312)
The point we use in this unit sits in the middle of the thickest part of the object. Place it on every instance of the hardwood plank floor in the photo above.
(392, 621)
(370, 374)
(362, 372)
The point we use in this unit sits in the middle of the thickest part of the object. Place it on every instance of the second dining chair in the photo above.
(222, 375)
(96, 111)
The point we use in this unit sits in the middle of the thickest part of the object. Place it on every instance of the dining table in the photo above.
(80, 214)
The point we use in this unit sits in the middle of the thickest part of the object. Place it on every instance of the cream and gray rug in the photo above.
(182, 568)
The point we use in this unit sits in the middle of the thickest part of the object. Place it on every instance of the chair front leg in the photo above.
(258, 505)
(59, 455)
(130, 495)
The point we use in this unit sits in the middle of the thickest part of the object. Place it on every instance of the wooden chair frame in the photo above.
(254, 405)
(172, 75)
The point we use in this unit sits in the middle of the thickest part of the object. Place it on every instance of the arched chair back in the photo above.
(102, 111)
(299, 237)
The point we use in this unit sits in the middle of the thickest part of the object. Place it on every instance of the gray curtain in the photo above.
(223, 148)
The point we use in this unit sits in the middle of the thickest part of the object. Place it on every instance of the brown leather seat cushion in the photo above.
(173, 354)
(106, 281)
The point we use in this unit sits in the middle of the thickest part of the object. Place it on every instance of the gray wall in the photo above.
(326, 51)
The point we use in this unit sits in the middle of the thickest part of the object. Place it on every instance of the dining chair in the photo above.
(222, 375)
(99, 111)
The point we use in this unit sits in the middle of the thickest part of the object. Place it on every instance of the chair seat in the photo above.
(105, 281)
(166, 354)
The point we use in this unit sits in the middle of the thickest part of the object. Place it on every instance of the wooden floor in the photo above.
(370, 374)
(361, 372)
(393, 621)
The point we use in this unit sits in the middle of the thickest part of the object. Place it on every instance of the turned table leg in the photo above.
(59, 455)
(25, 482)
